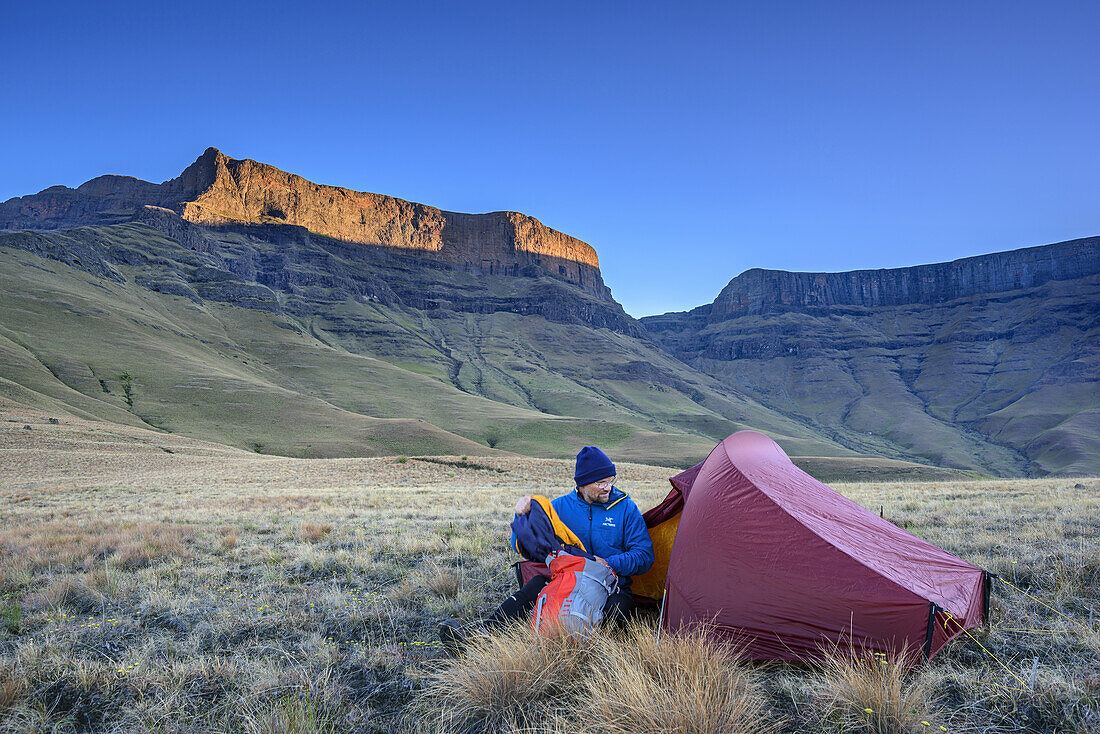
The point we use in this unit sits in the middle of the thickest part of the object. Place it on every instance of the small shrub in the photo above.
(862, 691)
(127, 388)
(402, 459)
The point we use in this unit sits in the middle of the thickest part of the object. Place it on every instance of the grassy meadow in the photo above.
(153, 582)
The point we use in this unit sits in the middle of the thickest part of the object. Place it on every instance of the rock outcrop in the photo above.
(220, 191)
(759, 291)
(988, 362)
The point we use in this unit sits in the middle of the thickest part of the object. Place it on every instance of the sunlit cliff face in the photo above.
(222, 190)
(217, 190)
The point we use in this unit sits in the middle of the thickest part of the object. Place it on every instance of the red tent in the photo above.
(785, 566)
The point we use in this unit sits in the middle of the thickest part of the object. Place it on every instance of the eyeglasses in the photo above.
(605, 483)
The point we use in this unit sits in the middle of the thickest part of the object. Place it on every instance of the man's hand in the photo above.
(523, 506)
(604, 562)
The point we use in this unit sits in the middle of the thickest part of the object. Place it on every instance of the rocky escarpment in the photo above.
(288, 269)
(989, 362)
(220, 191)
(758, 291)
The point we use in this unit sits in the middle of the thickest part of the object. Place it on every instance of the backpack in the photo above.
(572, 601)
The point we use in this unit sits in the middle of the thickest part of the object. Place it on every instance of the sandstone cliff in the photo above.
(220, 191)
(759, 291)
(987, 362)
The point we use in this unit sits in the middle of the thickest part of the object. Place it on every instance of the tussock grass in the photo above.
(125, 606)
(614, 682)
(80, 544)
(69, 592)
(876, 693)
(313, 707)
(230, 539)
(315, 531)
(686, 683)
(443, 582)
(12, 685)
(507, 681)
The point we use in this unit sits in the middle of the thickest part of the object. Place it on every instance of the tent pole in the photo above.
(661, 616)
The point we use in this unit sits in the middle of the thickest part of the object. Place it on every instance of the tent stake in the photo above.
(1034, 670)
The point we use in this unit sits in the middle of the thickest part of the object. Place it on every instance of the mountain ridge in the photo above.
(757, 290)
(356, 310)
(992, 358)
(218, 190)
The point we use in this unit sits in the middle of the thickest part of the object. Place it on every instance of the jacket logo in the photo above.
(609, 522)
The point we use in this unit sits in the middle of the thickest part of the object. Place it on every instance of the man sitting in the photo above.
(608, 523)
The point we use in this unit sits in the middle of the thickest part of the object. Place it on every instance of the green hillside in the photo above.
(1004, 382)
(322, 371)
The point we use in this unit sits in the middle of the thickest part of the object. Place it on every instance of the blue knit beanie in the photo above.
(592, 464)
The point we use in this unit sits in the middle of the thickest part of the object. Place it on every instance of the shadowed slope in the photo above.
(987, 362)
(311, 369)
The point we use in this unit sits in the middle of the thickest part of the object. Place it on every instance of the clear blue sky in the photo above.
(687, 142)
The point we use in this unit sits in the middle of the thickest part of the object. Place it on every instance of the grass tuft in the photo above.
(861, 691)
(300, 712)
(616, 682)
(12, 613)
(505, 681)
(315, 531)
(68, 592)
(230, 538)
(678, 683)
(12, 685)
(443, 582)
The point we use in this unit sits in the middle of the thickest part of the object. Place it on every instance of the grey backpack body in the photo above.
(572, 601)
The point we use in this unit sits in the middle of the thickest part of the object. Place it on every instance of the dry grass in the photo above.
(142, 590)
(68, 592)
(315, 531)
(508, 681)
(311, 707)
(860, 691)
(230, 539)
(12, 685)
(614, 682)
(83, 544)
(639, 682)
(443, 582)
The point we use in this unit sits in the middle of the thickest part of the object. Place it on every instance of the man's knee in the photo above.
(618, 608)
(519, 604)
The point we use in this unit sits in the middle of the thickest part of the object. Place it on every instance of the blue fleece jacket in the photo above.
(614, 531)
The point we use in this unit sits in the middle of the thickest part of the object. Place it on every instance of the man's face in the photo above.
(598, 491)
